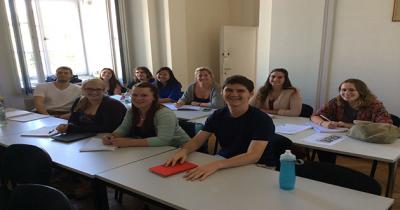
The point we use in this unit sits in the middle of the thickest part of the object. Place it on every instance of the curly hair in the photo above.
(365, 95)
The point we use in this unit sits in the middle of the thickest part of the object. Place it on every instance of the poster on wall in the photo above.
(396, 11)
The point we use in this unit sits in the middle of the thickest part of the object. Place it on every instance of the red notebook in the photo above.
(168, 171)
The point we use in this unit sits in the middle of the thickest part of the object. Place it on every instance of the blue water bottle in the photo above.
(287, 175)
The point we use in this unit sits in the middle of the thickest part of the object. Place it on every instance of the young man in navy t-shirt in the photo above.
(242, 131)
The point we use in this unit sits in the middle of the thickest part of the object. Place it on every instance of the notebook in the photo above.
(171, 170)
(291, 128)
(172, 106)
(96, 144)
(321, 129)
(42, 132)
(28, 117)
(71, 137)
(16, 113)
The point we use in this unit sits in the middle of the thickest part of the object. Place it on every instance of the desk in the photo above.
(246, 187)
(389, 153)
(14, 127)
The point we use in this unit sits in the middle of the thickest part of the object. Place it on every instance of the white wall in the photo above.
(296, 34)
(366, 45)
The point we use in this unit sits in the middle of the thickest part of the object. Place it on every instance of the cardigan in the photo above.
(108, 116)
(216, 100)
(288, 103)
(167, 129)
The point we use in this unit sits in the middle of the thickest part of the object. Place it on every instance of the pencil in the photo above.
(325, 118)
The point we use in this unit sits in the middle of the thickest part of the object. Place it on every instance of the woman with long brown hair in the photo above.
(112, 85)
(147, 123)
(278, 96)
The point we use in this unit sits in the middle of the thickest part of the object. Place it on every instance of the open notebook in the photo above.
(96, 144)
(172, 106)
(291, 128)
(42, 132)
(321, 129)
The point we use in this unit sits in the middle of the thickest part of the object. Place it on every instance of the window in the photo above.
(47, 34)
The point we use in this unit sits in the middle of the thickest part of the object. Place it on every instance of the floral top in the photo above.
(375, 112)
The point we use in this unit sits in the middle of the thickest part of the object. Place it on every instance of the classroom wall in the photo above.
(294, 36)
(366, 45)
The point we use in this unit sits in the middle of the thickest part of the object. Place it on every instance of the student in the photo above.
(56, 98)
(142, 74)
(112, 84)
(169, 88)
(94, 111)
(147, 123)
(354, 102)
(278, 96)
(241, 130)
(203, 92)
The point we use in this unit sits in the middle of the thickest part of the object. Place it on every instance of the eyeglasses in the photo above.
(94, 89)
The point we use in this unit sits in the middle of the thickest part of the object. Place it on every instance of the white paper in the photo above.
(324, 138)
(321, 129)
(184, 107)
(16, 113)
(291, 128)
(29, 117)
(96, 144)
(42, 132)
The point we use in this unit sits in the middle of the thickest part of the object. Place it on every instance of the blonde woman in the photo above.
(94, 111)
(203, 92)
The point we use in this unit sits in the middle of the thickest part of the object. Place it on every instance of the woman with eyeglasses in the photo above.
(94, 111)
(147, 123)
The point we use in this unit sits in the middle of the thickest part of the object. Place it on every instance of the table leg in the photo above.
(391, 179)
(101, 199)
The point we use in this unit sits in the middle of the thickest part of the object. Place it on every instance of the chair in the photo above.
(192, 129)
(22, 164)
(276, 146)
(38, 197)
(306, 111)
(338, 175)
(396, 122)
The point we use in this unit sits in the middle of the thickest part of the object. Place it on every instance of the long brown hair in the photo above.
(263, 92)
(148, 123)
(365, 95)
(83, 102)
(146, 71)
(113, 82)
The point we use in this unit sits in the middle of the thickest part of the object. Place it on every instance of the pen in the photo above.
(51, 131)
(325, 118)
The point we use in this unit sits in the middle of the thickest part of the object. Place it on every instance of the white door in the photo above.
(238, 46)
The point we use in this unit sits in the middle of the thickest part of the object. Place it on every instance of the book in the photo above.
(172, 107)
(291, 128)
(324, 138)
(96, 144)
(42, 132)
(171, 170)
(16, 113)
(321, 129)
(71, 137)
(28, 117)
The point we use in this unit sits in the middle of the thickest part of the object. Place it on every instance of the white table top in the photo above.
(247, 187)
(353, 147)
(68, 156)
(14, 127)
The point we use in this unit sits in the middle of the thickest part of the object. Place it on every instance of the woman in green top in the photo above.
(147, 123)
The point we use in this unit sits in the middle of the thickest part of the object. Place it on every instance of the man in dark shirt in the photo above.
(241, 130)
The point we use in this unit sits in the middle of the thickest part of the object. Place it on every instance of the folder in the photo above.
(171, 170)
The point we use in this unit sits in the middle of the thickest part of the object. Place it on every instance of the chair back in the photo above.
(395, 119)
(38, 197)
(276, 146)
(338, 175)
(23, 164)
(306, 111)
(191, 130)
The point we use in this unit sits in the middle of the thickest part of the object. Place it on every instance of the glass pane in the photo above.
(62, 35)
(97, 36)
